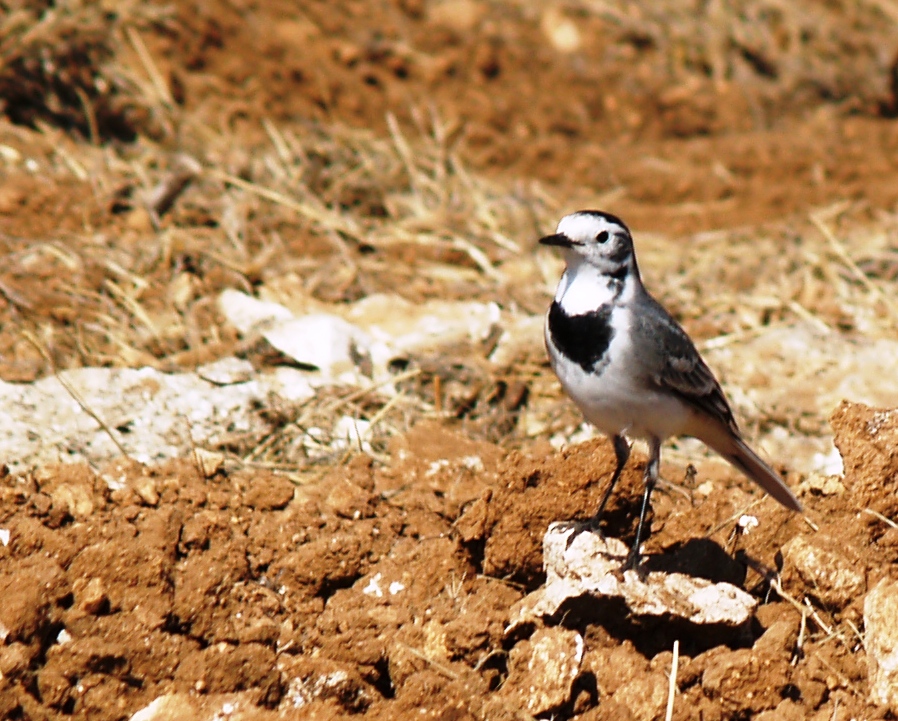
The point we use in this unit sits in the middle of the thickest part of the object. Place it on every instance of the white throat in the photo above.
(584, 288)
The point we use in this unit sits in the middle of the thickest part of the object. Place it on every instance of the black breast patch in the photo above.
(584, 339)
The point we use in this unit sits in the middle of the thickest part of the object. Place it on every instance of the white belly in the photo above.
(618, 400)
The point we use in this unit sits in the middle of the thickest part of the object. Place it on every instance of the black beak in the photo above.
(559, 239)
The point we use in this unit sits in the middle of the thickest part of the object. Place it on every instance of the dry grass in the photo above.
(330, 214)
(63, 64)
(833, 268)
(317, 215)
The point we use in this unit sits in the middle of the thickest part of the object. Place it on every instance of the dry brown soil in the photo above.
(360, 592)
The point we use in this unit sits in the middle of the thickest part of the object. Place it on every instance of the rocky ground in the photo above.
(359, 534)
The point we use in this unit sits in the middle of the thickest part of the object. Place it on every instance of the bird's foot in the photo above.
(578, 527)
(634, 563)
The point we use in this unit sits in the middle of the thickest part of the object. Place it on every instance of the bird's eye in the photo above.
(602, 237)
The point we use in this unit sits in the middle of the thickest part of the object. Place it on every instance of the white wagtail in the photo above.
(629, 366)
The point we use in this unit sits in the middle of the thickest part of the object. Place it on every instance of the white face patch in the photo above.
(601, 239)
(584, 227)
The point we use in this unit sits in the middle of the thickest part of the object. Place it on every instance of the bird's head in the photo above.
(597, 238)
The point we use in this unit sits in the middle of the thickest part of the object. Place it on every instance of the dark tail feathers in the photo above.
(747, 461)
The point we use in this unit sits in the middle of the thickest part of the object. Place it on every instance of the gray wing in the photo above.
(682, 370)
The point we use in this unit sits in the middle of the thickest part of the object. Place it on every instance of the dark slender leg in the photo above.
(622, 452)
(651, 478)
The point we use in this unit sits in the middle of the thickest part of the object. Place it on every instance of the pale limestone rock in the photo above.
(323, 341)
(881, 642)
(827, 568)
(542, 670)
(248, 314)
(591, 565)
(153, 415)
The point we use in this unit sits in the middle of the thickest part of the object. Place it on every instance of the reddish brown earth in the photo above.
(384, 587)
(246, 583)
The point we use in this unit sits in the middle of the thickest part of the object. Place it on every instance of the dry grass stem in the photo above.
(862, 277)
(442, 668)
(672, 685)
(876, 514)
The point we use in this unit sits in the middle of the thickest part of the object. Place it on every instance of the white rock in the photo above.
(815, 370)
(184, 706)
(828, 463)
(153, 710)
(561, 31)
(248, 314)
(351, 433)
(291, 384)
(209, 462)
(881, 642)
(827, 567)
(591, 566)
(461, 15)
(746, 523)
(308, 679)
(405, 327)
(542, 670)
(373, 588)
(326, 342)
(162, 415)
(303, 691)
(379, 329)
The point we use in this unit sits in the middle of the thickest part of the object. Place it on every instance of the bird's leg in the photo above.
(651, 478)
(622, 453)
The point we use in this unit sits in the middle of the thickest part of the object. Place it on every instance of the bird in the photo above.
(629, 366)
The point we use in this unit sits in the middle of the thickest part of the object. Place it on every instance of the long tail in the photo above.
(737, 452)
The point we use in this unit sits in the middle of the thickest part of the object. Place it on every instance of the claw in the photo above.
(577, 527)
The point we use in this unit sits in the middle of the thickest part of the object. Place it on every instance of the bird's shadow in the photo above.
(699, 558)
